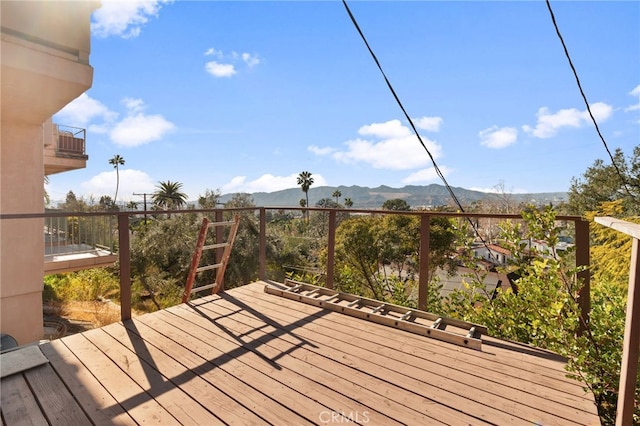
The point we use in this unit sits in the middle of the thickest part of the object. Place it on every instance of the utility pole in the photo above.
(144, 195)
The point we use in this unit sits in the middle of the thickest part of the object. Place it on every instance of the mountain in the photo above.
(369, 198)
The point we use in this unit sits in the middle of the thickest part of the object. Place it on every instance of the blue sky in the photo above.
(243, 96)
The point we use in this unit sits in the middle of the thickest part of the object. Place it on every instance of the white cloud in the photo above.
(320, 151)
(140, 129)
(225, 64)
(636, 106)
(250, 60)
(133, 105)
(397, 148)
(135, 129)
(124, 18)
(426, 175)
(267, 183)
(389, 129)
(130, 181)
(82, 110)
(548, 124)
(430, 124)
(220, 70)
(494, 137)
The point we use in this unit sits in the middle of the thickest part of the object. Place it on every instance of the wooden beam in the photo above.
(423, 277)
(124, 252)
(631, 346)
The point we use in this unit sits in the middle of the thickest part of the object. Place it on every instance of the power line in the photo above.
(586, 102)
(415, 130)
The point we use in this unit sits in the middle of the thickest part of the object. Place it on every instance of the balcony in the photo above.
(283, 337)
(73, 243)
(64, 148)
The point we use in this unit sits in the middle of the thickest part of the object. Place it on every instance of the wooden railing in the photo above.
(631, 345)
(581, 242)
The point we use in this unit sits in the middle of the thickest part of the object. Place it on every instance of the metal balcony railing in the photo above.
(72, 235)
(70, 141)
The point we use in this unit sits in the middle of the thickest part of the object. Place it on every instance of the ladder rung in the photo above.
(203, 287)
(223, 223)
(209, 267)
(378, 309)
(438, 324)
(312, 292)
(406, 316)
(353, 303)
(335, 296)
(214, 246)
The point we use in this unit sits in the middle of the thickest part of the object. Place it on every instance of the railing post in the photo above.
(423, 277)
(262, 248)
(219, 251)
(124, 254)
(631, 346)
(331, 244)
(584, 277)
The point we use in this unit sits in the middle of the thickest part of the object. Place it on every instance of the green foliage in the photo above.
(602, 183)
(169, 196)
(610, 249)
(377, 256)
(545, 312)
(85, 286)
(396, 204)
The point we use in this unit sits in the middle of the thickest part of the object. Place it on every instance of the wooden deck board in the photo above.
(247, 357)
(19, 405)
(532, 406)
(451, 390)
(99, 405)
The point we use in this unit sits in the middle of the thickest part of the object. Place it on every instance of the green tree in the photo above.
(396, 204)
(209, 200)
(544, 311)
(601, 183)
(377, 256)
(348, 203)
(305, 181)
(116, 161)
(168, 195)
(337, 194)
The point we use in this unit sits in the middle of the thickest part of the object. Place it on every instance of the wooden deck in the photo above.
(247, 357)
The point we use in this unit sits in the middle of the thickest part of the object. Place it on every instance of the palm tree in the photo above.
(305, 181)
(168, 195)
(337, 194)
(348, 202)
(116, 162)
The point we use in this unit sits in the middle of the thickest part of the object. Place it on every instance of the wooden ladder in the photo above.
(415, 321)
(221, 266)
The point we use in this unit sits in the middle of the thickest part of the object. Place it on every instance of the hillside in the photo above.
(364, 197)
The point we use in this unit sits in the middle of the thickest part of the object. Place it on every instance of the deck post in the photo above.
(219, 251)
(584, 277)
(631, 346)
(423, 278)
(124, 254)
(331, 245)
(262, 249)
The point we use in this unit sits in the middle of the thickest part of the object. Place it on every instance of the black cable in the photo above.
(415, 130)
(584, 97)
(393, 92)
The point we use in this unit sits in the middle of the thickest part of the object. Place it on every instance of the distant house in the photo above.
(493, 253)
